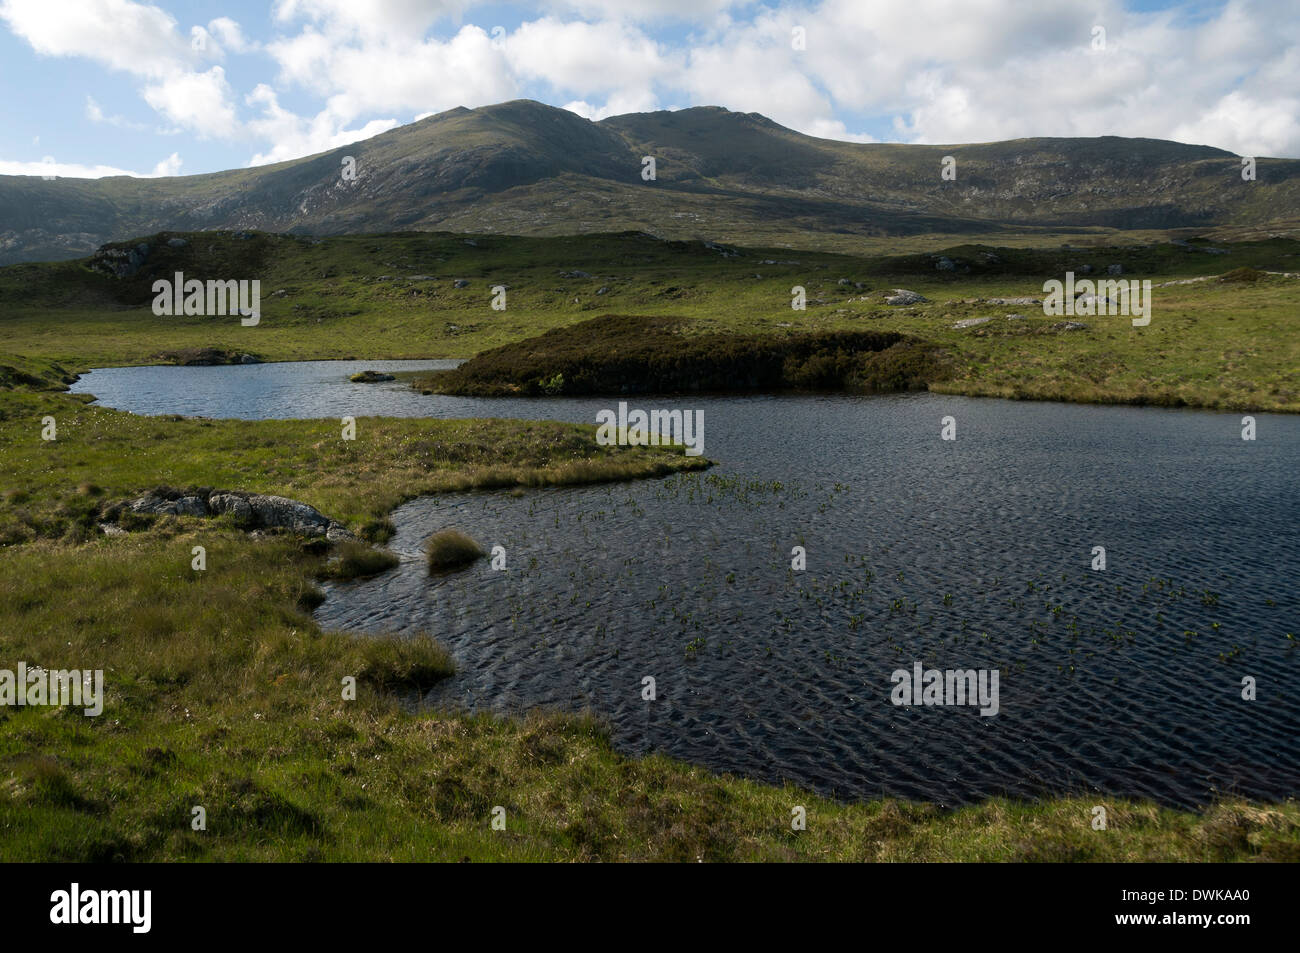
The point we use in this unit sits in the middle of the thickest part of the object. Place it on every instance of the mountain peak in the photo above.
(524, 167)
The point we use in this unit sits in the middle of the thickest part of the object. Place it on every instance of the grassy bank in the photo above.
(1228, 345)
(57, 489)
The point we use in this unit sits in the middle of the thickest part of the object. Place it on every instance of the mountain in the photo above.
(525, 168)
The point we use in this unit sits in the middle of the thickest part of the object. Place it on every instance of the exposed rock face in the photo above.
(1114, 269)
(902, 296)
(254, 511)
(1018, 301)
(971, 322)
(120, 262)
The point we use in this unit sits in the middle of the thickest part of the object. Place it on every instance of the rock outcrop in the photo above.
(902, 296)
(251, 511)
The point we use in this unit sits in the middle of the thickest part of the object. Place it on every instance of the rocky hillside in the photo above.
(526, 168)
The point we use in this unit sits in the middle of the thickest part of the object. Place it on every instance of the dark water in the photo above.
(967, 554)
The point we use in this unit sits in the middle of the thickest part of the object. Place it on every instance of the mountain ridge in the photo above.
(522, 167)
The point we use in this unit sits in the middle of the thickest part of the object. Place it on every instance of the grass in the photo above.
(1219, 344)
(451, 549)
(222, 692)
(631, 354)
(357, 482)
(354, 560)
(241, 709)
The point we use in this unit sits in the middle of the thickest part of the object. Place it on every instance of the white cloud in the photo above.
(74, 170)
(135, 37)
(932, 70)
(139, 39)
(295, 136)
(169, 166)
(229, 35)
(95, 113)
(199, 102)
(389, 20)
(1254, 128)
(588, 57)
(648, 10)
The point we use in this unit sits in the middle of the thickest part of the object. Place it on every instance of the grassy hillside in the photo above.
(1211, 343)
(525, 168)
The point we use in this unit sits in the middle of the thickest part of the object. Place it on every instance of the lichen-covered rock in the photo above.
(902, 296)
(223, 504)
(191, 506)
(1013, 301)
(120, 262)
(250, 511)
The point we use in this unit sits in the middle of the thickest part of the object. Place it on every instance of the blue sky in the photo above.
(112, 86)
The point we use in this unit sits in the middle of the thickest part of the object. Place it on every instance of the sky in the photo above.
(114, 87)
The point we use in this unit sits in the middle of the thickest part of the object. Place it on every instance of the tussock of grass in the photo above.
(451, 549)
(354, 560)
(378, 531)
(1244, 273)
(405, 662)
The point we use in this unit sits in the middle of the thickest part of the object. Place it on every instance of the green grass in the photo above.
(240, 708)
(1228, 345)
(356, 560)
(222, 692)
(357, 482)
(451, 549)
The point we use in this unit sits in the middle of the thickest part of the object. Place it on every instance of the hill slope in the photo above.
(525, 168)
